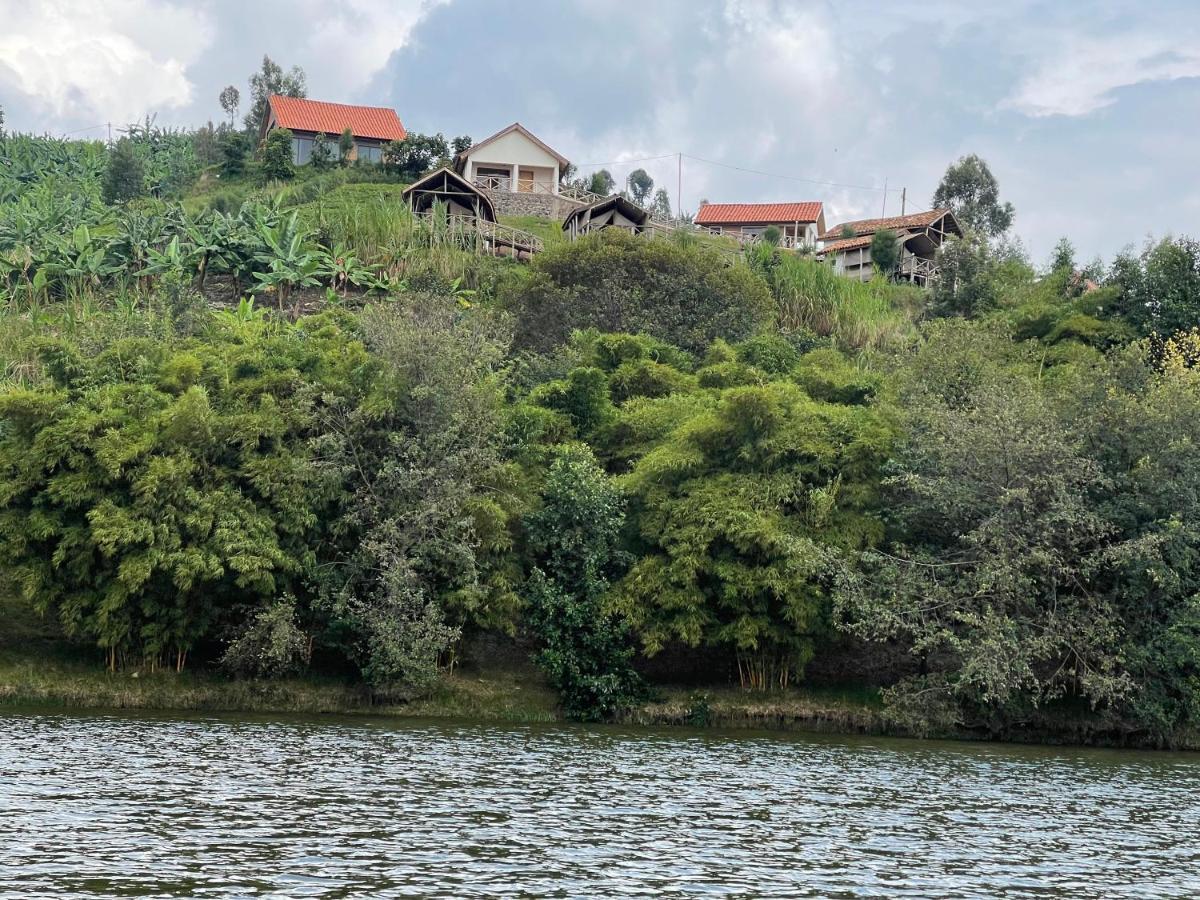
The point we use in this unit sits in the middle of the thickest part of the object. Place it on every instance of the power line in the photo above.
(621, 162)
(856, 187)
(89, 128)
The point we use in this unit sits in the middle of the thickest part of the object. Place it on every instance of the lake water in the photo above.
(234, 806)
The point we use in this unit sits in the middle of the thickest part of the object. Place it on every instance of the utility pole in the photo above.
(679, 189)
(883, 212)
(109, 134)
(903, 199)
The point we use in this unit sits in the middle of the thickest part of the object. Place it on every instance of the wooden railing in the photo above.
(475, 234)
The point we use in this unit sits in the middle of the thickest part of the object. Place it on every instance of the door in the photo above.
(525, 180)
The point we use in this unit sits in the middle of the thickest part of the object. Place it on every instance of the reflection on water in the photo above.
(230, 806)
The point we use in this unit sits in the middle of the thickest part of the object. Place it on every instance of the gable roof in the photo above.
(374, 122)
(446, 184)
(627, 208)
(521, 129)
(758, 213)
(895, 223)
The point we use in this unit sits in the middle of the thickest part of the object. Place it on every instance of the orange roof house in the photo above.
(848, 246)
(798, 223)
(371, 126)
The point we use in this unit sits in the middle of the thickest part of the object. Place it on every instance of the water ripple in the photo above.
(330, 808)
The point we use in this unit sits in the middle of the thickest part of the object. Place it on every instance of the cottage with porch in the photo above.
(848, 246)
(371, 126)
(799, 224)
(519, 171)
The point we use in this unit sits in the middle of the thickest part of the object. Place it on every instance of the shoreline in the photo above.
(29, 680)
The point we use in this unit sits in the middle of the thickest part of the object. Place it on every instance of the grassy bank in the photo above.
(52, 675)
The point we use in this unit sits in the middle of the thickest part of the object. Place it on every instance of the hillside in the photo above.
(284, 430)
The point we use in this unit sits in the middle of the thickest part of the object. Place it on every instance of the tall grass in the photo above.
(856, 315)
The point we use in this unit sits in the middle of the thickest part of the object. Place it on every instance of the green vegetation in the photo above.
(277, 443)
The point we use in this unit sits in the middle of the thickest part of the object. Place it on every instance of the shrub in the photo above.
(613, 281)
(277, 155)
(584, 649)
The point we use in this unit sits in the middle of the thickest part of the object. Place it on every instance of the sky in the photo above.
(1088, 113)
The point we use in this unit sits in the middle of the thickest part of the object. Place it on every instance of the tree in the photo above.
(189, 505)
(461, 144)
(661, 207)
(966, 281)
(415, 155)
(1, 122)
(124, 179)
(885, 251)
(271, 79)
(419, 468)
(686, 295)
(574, 540)
(602, 183)
(277, 154)
(1159, 289)
(970, 189)
(345, 146)
(1062, 258)
(233, 153)
(741, 513)
(231, 99)
(321, 156)
(640, 186)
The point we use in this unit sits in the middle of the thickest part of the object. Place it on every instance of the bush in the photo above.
(271, 644)
(613, 281)
(277, 155)
(584, 649)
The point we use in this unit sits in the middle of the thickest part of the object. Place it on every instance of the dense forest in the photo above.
(261, 421)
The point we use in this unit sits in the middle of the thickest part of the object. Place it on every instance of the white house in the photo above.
(513, 160)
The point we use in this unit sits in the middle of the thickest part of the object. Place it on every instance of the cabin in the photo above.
(799, 224)
(847, 247)
(611, 212)
(459, 196)
(371, 126)
(513, 160)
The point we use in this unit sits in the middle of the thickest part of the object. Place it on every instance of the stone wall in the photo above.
(546, 206)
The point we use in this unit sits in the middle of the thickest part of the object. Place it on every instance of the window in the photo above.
(301, 150)
(371, 153)
(753, 230)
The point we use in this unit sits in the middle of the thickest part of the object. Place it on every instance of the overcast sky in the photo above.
(1089, 113)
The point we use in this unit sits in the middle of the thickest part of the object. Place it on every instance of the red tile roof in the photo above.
(845, 244)
(757, 213)
(375, 122)
(895, 223)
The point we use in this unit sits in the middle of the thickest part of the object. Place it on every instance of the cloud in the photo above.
(1084, 74)
(76, 59)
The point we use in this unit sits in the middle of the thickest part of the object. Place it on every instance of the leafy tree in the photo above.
(661, 206)
(272, 643)
(277, 155)
(1, 122)
(602, 183)
(268, 80)
(741, 513)
(460, 144)
(966, 283)
(970, 189)
(124, 180)
(573, 540)
(1062, 258)
(231, 99)
(641, 185)
(233, 154)
(415, 155)
(1159, 290)
(419, 464)
(321, 156)
(345, 146)
(613, 281)
(153, 490)
(885, 251)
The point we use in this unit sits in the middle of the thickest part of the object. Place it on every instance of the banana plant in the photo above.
(289, 260)
(342, 267)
